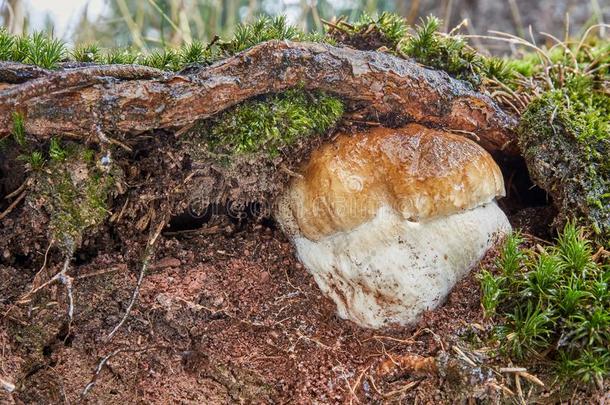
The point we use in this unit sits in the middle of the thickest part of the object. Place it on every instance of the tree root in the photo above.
(119, 98)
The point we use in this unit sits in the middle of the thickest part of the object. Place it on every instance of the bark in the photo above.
(133, 99)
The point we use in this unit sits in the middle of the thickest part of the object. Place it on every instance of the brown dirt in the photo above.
(226, 318)
(226, 314)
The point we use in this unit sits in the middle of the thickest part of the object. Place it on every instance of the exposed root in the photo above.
(147, 99)
(13, 205)
(145, 263)
(103, 362)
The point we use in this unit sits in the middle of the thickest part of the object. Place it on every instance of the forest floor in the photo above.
(227, 317)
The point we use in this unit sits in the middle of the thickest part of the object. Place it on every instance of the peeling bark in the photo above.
(133, 99)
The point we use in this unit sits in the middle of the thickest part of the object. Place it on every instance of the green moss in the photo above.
(37, 49)
(89, 53)
(273, 122)
(122, 56)
(565, 138)
(194, 53)
(7, 42)
(75, 192)
(165, 59)
(18, 129)
(444, 52)
(35, 160)
(372, 32)
(264, 29)
(552, 302)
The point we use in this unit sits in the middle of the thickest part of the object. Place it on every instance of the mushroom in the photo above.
(388, 220)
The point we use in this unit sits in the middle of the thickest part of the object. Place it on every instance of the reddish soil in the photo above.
(228, 319)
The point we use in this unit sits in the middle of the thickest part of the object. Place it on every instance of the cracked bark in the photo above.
(132, 99)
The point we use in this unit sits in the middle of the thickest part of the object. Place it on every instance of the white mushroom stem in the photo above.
(388, 220)
(390, 270)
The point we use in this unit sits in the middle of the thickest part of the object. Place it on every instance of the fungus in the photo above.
(388, 220)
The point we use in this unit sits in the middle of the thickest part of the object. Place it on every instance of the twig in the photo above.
(145, 263)
(503, 388)
(18, 190)
(405, 388)
(519, 390)
(98, 273)
(512, 369)
(463, 356)
(380, 337)
(13, 205)
(355, 387)
(531, 378)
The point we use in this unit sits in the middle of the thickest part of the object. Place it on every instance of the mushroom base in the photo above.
(390, 270)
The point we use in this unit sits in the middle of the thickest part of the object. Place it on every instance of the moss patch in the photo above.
(565, 138)
(36, 49)
(272, 122)
(371, 32)
(552, 303)
(444, 52)
(74, 190)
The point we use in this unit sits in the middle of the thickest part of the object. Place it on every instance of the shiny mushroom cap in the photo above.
(422, 173)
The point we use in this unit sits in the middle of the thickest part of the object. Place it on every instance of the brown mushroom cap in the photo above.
(420, 172)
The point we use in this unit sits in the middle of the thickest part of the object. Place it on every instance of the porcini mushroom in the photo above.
(388, 220)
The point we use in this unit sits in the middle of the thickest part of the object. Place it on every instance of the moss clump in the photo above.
(424, 43)
(273, 122)
(555, 301)
(36, 49)
(262, 30)
(371, 32)
(44, 51)
(444, 52)
(74, 190)
(18, 129)
(565, 138)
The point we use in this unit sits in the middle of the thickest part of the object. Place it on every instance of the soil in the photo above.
(226, 314)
